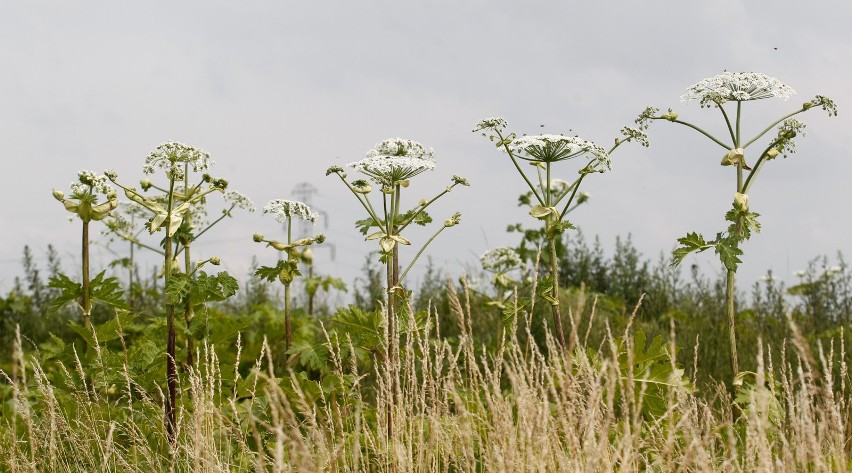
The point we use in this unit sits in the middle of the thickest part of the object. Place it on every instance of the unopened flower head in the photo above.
(553, 148)
(500, 260)
(284, 210)
(736, 86)
(90, 182)
(240, 200)
(395, 160)
(172, 156)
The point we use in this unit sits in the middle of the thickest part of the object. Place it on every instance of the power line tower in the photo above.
(304, 192)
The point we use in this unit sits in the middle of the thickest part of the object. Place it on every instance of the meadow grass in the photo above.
(455, 408)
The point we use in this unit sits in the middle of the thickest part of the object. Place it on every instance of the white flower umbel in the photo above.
(173, 156)
(395, 160)
(90, 182)
(239, 200)
(553, 148)
(500, 260)
(283, 210)
(737, 86)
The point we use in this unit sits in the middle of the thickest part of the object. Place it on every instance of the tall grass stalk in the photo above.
(522, 409)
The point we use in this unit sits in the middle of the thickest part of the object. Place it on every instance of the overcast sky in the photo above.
(277, 92)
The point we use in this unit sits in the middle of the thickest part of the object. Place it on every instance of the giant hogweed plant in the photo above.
(551, 199)
(85, 204)
(391, 165)
(727, 93)
(287, 268)
(171, 207)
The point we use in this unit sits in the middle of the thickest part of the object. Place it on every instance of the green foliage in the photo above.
(103, 289)
(285, 271)
(184, 289)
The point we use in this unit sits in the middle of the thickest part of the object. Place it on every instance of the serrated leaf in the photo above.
(312, 355)
(364, 225)
(691, 242)
(107, 290)
(178, 288)
(268, 273)
(728, 253)
(747, 223)
(70, 290)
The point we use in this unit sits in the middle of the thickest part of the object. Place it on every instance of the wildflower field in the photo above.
(550, 357)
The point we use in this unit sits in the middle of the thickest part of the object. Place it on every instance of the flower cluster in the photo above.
(736, 86)
(500, 260)
(553, 148)
(643, 121)
(172, 156)
(284, 210)
(822, 101)
(395, 160)
(789, 129)
(239, 200)
(497, 124)
(91, 182)
(638, 135)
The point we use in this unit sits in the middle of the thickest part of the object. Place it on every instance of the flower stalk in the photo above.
(715, 92)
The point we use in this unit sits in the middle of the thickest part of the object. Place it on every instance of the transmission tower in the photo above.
(304, 192)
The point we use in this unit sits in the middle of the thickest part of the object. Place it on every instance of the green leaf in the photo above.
(691, 242)
(107, 290)
(728, 252)
(310, 354)
(747, 223)
(268, 273)
(69, 291)
(178, 288)
(366, 224)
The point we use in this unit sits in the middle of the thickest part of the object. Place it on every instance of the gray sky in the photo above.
(279, 91)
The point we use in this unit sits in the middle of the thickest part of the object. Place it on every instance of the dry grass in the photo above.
(452, 410)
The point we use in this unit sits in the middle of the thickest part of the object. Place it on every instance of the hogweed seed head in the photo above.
(736, 86)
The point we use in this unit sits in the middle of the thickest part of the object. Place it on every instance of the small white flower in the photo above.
(494, 123)
(553, 148)
(395, 160)
(736, 86)
(172, 156)
(240, 200)
(500, 259)
(90, 182)
(284, 210)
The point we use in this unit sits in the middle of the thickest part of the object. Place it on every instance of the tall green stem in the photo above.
(85, 299)
(554, 304)
(171, 367)
(731, 321)
(288, 330)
